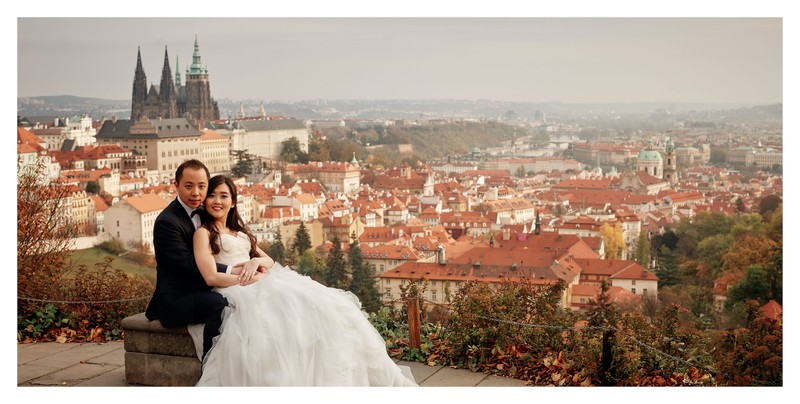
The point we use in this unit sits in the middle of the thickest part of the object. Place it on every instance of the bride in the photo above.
(281, 328)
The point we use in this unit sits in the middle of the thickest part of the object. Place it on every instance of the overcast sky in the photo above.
(706, 59)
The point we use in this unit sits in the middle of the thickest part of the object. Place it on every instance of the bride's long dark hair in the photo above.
(233, 221)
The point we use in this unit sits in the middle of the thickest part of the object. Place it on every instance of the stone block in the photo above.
(145, 336)
(161, 370)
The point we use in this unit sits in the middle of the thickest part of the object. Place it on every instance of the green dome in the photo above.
(649, 155)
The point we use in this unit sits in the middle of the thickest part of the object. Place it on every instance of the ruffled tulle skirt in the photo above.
(289, 330)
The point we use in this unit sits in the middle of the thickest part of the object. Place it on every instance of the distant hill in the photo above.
(70, 105)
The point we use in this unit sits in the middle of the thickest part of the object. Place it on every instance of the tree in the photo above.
(521, 171)
(613, 241)
(668, 269)
(318, 150)
(308, 265)
(643, 250)
(335, 271)
(92, 187)
(768, 205)
(292, 153)
(739, 205)
(244, 163)
(363, 281)
(755, 285)
(746, 250)
(302, 241)
(276, 250)
(44, 231)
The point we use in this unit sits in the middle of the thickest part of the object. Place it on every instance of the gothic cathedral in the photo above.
(172, 99)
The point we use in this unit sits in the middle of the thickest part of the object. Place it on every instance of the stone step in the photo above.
(161, 370)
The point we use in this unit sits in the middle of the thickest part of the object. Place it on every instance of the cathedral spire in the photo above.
(139, 87)
(177, 71)
(261, 112)
(197, 67)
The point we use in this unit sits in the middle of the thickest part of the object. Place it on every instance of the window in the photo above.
(633, 281)
(583, 300)
(633, 290)
(433, 295)
(433, 284)
(382, 268)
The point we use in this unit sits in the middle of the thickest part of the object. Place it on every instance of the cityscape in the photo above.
(656, 208)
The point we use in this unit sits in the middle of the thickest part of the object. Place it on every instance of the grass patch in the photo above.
(91, 256)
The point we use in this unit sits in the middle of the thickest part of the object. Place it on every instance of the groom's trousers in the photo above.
(196, 308)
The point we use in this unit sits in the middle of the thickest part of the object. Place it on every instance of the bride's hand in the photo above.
(257, 277)
(249, 269)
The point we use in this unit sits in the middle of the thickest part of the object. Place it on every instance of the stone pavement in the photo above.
(103, 365)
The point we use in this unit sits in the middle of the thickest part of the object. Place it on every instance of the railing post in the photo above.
(606, 366)
(413, 322)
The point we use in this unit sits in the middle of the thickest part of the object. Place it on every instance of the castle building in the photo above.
(173, 99)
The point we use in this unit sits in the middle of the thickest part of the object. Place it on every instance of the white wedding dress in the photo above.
(289, 330)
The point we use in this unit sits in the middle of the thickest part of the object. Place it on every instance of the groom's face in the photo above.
(192, 187)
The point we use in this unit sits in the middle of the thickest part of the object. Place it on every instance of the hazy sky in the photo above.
(513, 59)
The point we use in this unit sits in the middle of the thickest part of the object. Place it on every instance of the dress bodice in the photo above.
(233, 249)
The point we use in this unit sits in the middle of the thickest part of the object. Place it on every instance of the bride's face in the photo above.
(219, 202)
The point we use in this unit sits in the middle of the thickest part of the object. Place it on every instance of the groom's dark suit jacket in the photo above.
(176, 271)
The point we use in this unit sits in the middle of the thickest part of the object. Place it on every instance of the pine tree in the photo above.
(335, 271)
(668, 270)
(643, 250)
(302, 241)
(277, 251)
(363, 282)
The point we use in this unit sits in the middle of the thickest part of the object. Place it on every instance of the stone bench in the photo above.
(158, 356)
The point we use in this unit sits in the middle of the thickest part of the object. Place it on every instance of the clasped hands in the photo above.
(249, 272)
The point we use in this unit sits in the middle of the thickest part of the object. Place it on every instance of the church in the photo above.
(171, 98)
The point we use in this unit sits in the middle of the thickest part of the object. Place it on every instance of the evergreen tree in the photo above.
(643, 250)
(668, 270)
(363, 282)
(755, 285)
(277, 251)
(244, 163)
(335, 271)
(302, 241)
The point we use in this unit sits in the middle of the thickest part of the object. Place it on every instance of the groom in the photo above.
(182, 296)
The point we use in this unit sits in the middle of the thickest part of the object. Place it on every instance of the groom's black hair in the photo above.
(194, 164)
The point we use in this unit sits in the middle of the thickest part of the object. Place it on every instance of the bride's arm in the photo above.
(205, 261)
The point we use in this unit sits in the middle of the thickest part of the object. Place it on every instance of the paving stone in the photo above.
(27, 353)
(72, 375)
(27, 372)
(114, 378)
(453, 377)
(499, 381)
(420, 371)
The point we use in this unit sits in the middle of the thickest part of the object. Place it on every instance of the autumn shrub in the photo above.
(105, 295)
(752, 355)
(114, 246)
(519, 329)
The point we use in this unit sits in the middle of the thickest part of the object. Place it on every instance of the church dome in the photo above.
(649, 155)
